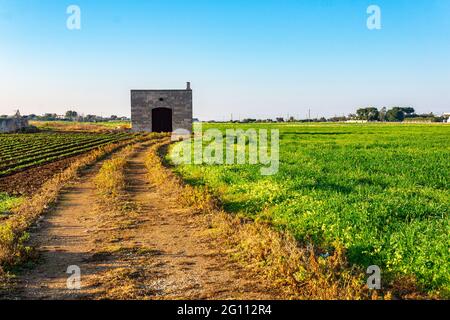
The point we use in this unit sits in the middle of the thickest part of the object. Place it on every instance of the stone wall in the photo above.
(144, 101)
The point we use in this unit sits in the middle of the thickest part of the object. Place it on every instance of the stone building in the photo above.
(161, 110)
(13, 124)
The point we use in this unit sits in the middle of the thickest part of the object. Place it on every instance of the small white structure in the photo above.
(356, 121)
(446, 115)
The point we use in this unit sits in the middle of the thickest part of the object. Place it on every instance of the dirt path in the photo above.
(149, 249)
(63, 238)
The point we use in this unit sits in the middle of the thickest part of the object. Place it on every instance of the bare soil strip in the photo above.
(152, 248)
(25, 182)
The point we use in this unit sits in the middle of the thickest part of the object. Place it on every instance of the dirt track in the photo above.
(150, 249)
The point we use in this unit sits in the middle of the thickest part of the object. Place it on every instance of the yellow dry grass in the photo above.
(110, 180)
(81, 126)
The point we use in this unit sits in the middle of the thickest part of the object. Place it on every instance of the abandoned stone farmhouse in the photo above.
(161, 110)
(13, 124)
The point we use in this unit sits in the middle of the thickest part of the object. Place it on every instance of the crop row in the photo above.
(18, 143)
(19, 152)
(40, 150)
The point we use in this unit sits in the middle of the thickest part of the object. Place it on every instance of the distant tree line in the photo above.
(75, 116)
(395, 114)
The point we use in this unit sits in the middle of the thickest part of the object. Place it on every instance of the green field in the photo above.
(22, 151)
(381, 191)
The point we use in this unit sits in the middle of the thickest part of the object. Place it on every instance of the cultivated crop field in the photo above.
(380, 191)
(22, 151)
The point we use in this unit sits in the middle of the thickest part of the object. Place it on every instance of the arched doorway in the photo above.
(162, 120)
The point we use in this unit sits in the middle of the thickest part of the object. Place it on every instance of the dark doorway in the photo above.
(162, 120)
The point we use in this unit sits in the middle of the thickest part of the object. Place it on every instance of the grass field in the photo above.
(22, 151)
(381, 191)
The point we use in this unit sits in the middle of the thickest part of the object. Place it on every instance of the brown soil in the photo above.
(146, 246)
(31, 180)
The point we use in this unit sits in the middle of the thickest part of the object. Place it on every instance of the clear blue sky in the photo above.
(250, 58)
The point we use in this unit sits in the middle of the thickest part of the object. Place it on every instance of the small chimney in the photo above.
(188, 86)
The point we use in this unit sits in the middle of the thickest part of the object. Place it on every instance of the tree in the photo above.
(369, 114)
(373, 114)
(361, 113)
(395, 114)
(49, 117)
(408, 111)
(90, 118)
(71, 115)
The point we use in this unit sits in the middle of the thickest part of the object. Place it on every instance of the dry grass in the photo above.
(198, 198)
(113, 204)
(82, 126)
(125, 277)
(119, 284)
(110, 180)
(300, 270)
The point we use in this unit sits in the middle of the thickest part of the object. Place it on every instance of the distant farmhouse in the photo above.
(13, 124)
(161, 110)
